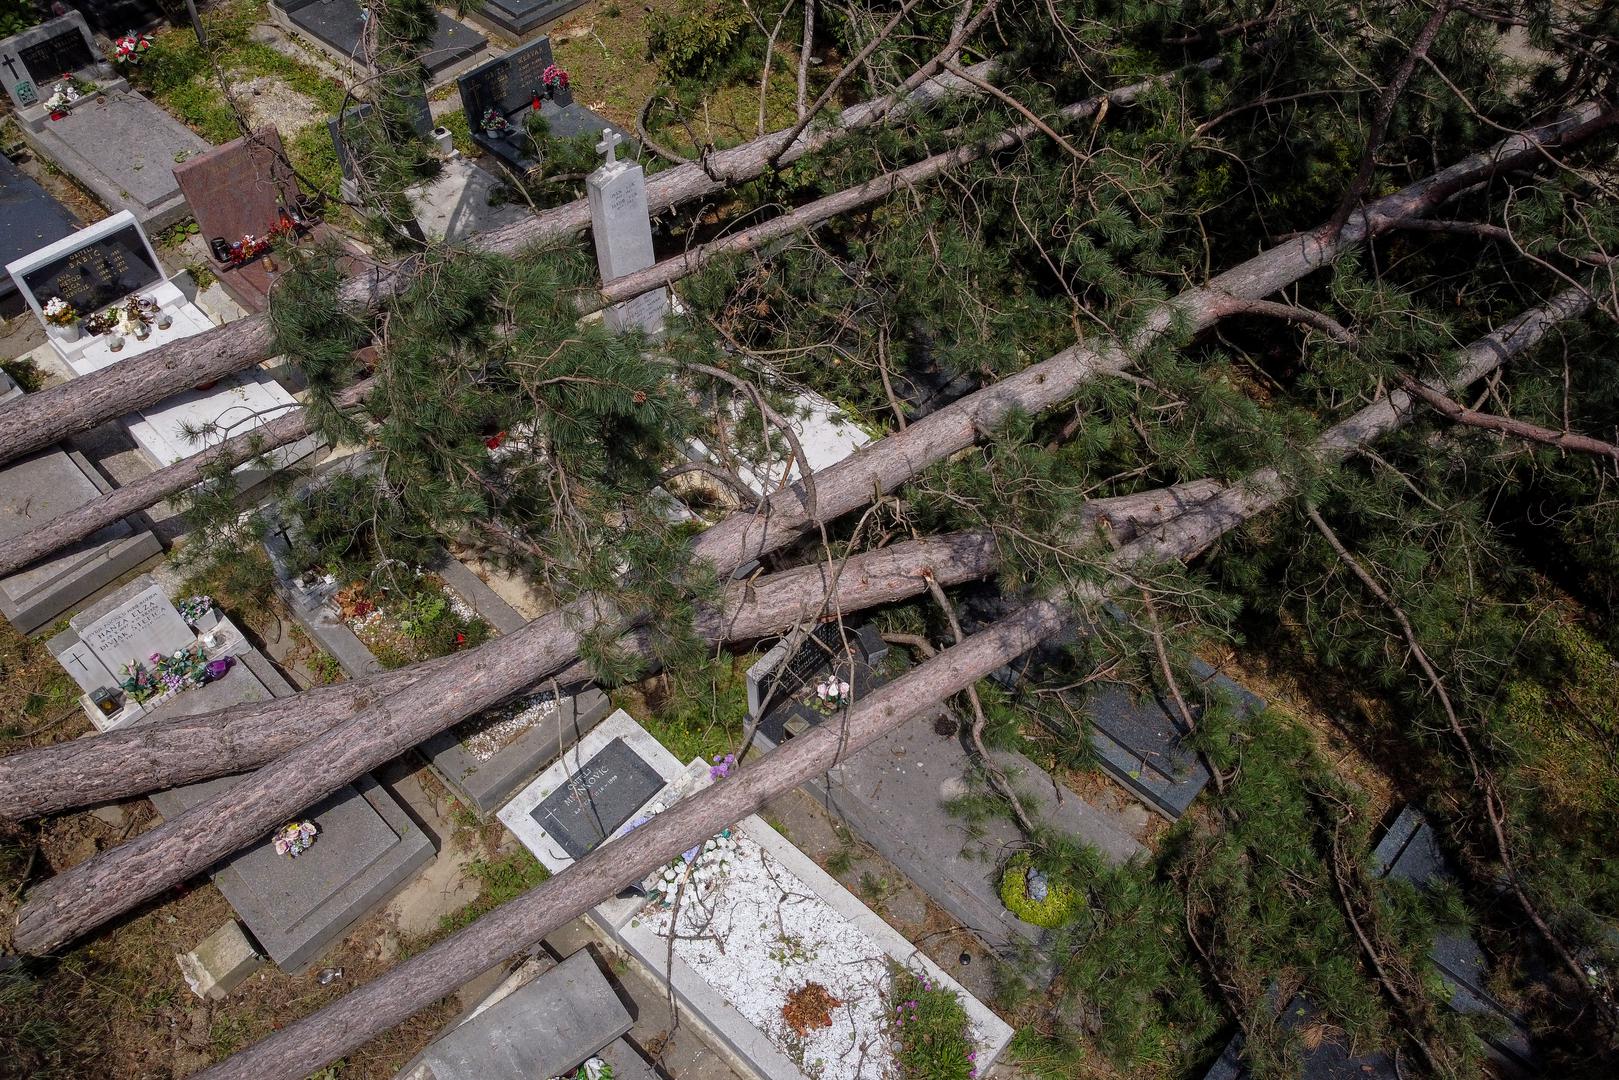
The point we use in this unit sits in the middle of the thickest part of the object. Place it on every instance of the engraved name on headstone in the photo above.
(100, 273)
(145, 624)
(597, 799)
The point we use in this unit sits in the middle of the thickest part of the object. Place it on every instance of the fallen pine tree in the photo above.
(37, 420)
(76, 901)
(296, 424)
(305, 1045)
(133, 761)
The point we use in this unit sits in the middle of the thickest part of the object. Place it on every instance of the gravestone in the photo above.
(29, 219)
(520, 18)
(349, 137)
(544, 1028)
(591, 804)
(511, 84)
(33, 61)
(132, 624)
(244, 187)
(43, 486)
(622, 228)
(365, 848)
(107, 263)
(339, 25)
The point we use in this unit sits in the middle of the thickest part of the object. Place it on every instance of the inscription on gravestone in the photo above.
(146, 624)
(56, 56)
(98, 274)
(597, 799)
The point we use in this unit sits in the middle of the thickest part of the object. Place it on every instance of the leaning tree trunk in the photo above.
(307, 1044)
(134, 761)
(115, 881)
(291, 427)
(37, 420)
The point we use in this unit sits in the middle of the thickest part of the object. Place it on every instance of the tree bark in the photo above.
(291, 427)
(307, 1044)
(134, 761)
(115, 881)
(37, 420)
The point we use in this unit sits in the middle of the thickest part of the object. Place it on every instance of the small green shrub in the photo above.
(931, 1029)
(1061, 904)
(694, 37)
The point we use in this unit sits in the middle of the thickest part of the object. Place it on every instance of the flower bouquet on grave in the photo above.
(831, 694)
(494, 123)
(132, 321)
(66, 93)
(554, 79)
(131, 47)
(181, 670)
(294, 838)
(193, 608)
(61, 315)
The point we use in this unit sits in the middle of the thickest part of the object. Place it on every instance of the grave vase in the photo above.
(70, 332)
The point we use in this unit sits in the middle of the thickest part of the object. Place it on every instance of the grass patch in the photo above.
(698, 712)
(499, 880)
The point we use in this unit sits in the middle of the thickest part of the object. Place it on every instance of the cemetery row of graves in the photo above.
(1015, 880)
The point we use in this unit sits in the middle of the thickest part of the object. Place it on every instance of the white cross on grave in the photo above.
(610, 140)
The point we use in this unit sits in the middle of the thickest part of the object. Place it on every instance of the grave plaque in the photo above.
(140, 625)
(98, 274)
(593, 802)
(60, 54)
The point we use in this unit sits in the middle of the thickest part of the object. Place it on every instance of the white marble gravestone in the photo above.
(622, 227)
(141, 625)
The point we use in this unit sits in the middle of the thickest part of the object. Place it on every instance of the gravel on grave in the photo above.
(488, 734)
(757, 933)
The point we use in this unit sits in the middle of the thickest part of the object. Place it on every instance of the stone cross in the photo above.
(608, 145)
(11, 64)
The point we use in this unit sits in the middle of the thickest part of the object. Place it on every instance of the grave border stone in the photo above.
(295, 948)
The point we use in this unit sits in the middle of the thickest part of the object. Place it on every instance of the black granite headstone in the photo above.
(29, 218)
(54, 57)
(340, 25)
(351, 134)
(509, 83)
(597, 799)
(518, 17)
(97, 274)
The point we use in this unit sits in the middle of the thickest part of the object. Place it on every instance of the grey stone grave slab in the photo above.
(621, 226)
(29, 220)
(544, 1028)
(32, 61)
(339, 24)
(366, 847)
(45, 485)
(1140, 743)
(895, 795)
(96, 144)
(520, 18)
(1410, 852)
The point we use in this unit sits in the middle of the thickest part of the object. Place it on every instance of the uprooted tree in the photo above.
(1415, 569)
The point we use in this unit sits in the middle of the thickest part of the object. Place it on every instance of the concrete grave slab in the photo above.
(544, 1028)
(123, 148)
(521, 19)
(366, 847)
(221, 963)
(43, 486)
(337, 26)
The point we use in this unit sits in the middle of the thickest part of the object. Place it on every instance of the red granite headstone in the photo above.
(234, 190)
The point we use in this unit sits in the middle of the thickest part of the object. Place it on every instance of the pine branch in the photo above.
(1454, 410)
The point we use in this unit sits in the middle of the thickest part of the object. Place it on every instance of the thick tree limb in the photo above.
(117, 880)
(309, 1043)
(1451, 409)
(37, 420)
(134, 761)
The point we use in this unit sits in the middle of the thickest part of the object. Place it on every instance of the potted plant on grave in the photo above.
(931, 1031)
(830, 695)
(65, 93)
(59, 314)
(104, 323)
(553, 80)
(494, 123)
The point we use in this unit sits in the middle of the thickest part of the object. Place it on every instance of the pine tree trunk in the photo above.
(134, 761)
(307, 1044)
(167, 481)
(117, 880)
(37, 420)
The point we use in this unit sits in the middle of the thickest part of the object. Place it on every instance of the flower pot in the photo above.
(444, 140)
(70, 332)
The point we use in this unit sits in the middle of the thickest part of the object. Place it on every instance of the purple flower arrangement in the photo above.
(170, 674)
(723, 764)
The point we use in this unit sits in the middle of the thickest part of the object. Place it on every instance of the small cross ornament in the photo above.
(610, 140)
